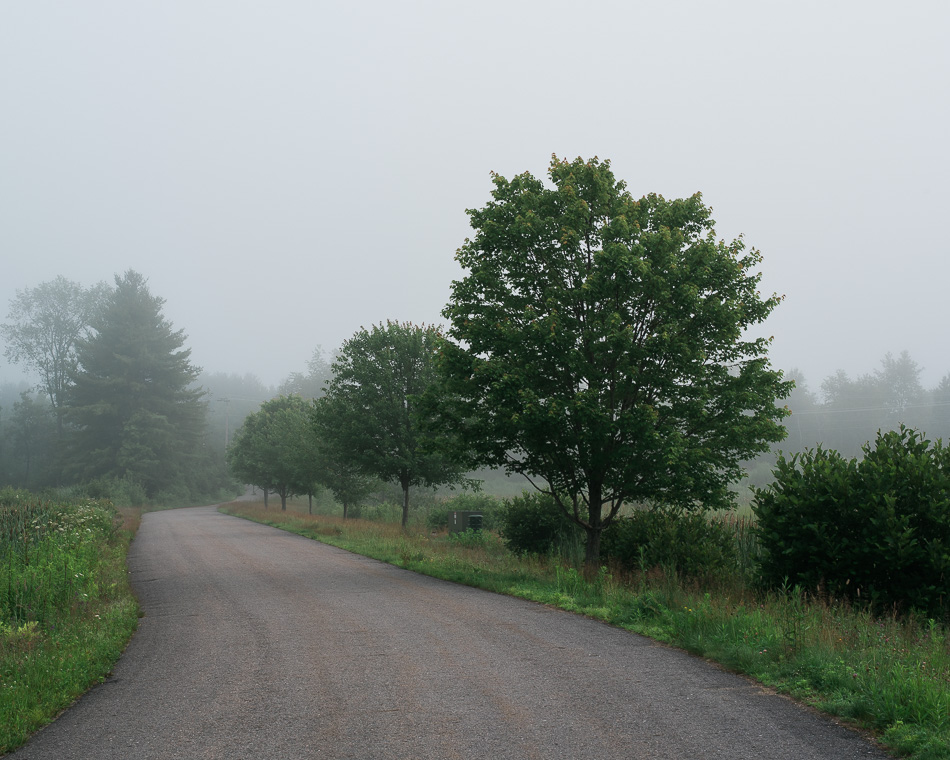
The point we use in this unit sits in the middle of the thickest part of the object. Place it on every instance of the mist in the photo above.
(286, 173)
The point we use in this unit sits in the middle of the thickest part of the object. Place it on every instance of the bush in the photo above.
(438, 517)
(877, 530)
(123, 492)
(688, 543)
(533, 523)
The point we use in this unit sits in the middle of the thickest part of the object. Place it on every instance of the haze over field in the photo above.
(286, 172)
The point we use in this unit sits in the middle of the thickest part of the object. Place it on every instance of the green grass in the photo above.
(889, 676)
(66, 609)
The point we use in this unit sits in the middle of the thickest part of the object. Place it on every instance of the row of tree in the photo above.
(597, 346)
(847, 412)
(368, 425)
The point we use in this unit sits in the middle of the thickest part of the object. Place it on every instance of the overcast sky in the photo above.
(287, 171)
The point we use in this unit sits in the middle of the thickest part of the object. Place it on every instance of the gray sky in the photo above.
(284, 172)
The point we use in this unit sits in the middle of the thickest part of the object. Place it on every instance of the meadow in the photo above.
(886, 675)
(66, 609)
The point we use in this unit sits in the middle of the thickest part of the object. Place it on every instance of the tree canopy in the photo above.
(132, 406)
(600, 346)
(275, 448)
(371, 413)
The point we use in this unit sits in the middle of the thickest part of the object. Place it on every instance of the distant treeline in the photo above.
(847, 412)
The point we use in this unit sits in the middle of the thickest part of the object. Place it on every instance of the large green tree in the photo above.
(132, 405)
(275, 448)
(45, 324)
(371, 413)
(603, 346)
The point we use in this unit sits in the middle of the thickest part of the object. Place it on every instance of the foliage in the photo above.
(876, 530)
(343, 476)
(276, 448)
(123, 492)
(472, 538)
(601, 344)
(66, 611)
(489, 507)
(534, 523)
(370, 414)
(46, 324)
(686, 543)
(31, 433)
(132, 407)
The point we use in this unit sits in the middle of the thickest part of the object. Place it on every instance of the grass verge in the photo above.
(66, 608)
(889, 676)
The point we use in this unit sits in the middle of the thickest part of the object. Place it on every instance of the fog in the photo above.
(286, 172)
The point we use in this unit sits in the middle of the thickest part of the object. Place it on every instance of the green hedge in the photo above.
(875, 530)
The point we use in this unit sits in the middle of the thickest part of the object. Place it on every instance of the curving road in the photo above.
(260, 644)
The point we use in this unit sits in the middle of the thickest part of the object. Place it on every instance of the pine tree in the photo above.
(133, 409)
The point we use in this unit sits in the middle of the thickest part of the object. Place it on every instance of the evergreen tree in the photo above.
(132, 406)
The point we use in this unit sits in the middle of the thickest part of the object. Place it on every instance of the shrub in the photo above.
(123, 492)
(688, 543)
(877, 530)
(533, 523)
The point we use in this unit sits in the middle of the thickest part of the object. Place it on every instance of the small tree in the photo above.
(371, 414)
(274, 449)
(601, 346)
(344, 478)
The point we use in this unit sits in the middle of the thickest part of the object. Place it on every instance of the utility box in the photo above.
(463, 520)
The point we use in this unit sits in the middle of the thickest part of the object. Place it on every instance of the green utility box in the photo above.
(463, 520)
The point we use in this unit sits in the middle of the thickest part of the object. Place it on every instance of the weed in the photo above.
(66, 611)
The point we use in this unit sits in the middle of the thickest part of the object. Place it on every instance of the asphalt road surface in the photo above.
(260, 644)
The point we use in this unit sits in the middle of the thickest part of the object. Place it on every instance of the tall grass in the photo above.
(66, 611)
(888, 675)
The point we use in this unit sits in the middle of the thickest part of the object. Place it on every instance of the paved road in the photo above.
(260, 644)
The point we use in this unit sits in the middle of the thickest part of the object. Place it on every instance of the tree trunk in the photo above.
(344, 510)
(594, 527)
(283, 501)
(309, 503)
(265, 498)
(592, 553)
(405, 504)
